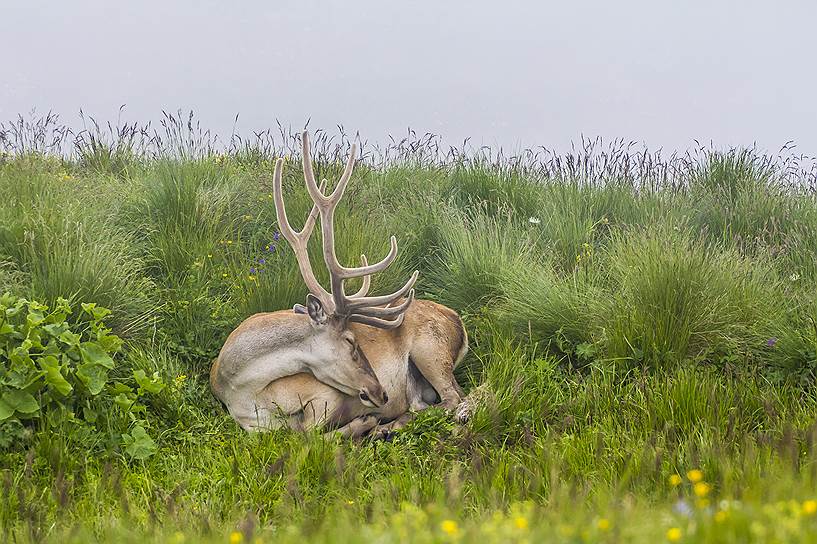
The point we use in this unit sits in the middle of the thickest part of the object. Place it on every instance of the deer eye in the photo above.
(350, 341)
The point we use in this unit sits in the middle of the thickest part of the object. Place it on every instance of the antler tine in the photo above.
(326, 203)
(345, 273)
(377, 322)
(298, 239)
(388, 312)
(367, 280)
(358, 307)
(357, 304)
(309, 174)
(347, 174)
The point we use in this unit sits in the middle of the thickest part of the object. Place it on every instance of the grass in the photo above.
(634, 319)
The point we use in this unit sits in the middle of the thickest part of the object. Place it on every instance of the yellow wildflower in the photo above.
(567, 530)
(809, 507)
(674, 534)
(236, 537)
(224, 275)
(521, 522)
(675, 480)
(720, 516)
(229, 242)
(251, 277)
(702, 489)
(695, 475)
(450, 527)
(603, 524)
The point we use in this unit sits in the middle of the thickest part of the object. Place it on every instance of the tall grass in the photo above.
(632, 316)
(676, 298)
(67, 245)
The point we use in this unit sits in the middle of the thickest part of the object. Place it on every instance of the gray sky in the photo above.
(509, 73)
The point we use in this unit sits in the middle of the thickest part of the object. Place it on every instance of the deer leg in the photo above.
(438, 370)
(355, 428)
(327, 409)
(381, 432)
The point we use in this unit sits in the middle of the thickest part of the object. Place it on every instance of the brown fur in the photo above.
(431, 335)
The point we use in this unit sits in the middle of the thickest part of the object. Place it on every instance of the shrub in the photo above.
(60, 374)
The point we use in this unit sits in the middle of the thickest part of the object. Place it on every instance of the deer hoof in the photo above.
(463, 412)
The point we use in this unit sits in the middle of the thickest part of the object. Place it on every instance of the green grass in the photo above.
(631, 318)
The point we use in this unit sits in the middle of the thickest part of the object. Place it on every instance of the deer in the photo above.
(353, 364)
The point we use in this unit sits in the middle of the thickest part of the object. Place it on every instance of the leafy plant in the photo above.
(60, 372)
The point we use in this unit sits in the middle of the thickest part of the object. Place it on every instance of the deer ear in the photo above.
(314, 308)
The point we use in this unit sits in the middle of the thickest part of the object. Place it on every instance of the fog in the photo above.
(512, 74)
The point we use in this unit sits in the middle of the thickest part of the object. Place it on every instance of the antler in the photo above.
(376, 311)
(299, 239)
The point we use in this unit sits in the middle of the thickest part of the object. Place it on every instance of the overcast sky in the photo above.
(510, 73)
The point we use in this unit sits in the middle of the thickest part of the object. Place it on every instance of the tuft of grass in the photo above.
(475, 251)
(70, 248)
(675, 298)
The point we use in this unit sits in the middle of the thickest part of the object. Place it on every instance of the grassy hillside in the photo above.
(644, 337)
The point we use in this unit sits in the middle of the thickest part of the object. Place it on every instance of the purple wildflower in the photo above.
(683, 508)
(276, 236)
(262, 260)
(271, 248)
(252, 270)
(771, 342)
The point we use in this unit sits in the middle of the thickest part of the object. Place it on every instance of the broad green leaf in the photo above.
(97, 312)
(119, 387)
(34, 318)
(56, 329)
(21, 401)
(151, 385)
(22, 372)
(93, 376)
(138, 444)
(109, 342)
(61, 310)
(53, 374)
(92, 353)
(6, 328)
(6, 411)
(17, 308)
(124, 401)
(70, 338)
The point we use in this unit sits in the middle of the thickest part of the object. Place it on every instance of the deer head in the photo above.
(343, 364)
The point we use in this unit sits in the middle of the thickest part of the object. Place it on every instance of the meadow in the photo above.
(643, 341)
